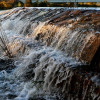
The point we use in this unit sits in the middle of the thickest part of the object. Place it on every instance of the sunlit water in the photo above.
(40, 64)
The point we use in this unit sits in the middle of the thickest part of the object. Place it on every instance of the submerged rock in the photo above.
(57, 51)
(11, 96)
(6, 64)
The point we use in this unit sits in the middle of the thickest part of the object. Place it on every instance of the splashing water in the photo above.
(48, 46)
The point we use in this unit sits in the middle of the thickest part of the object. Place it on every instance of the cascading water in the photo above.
(52, 52)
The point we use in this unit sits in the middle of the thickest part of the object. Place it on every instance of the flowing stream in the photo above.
(52, 51)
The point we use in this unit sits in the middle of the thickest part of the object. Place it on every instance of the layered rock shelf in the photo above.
(56, 46)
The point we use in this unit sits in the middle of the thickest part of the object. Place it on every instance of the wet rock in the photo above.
(74, 33)
(77, 35)
(11, 96)
(37, 98)
(6, 64)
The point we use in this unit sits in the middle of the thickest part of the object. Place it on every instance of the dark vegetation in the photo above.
(8, 5)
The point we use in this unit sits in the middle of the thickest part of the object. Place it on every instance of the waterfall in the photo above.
(53, 52)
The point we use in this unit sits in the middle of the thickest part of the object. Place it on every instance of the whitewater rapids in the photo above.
(46, 54)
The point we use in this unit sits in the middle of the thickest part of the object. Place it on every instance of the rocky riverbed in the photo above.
(55, 54)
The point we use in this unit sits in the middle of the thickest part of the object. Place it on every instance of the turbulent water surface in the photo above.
(49, 48)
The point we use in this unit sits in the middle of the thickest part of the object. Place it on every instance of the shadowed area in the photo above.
(56, 54)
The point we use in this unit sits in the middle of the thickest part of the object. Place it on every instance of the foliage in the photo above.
(19, 4)
(9, 4)
(43, 4)
(28, 3)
